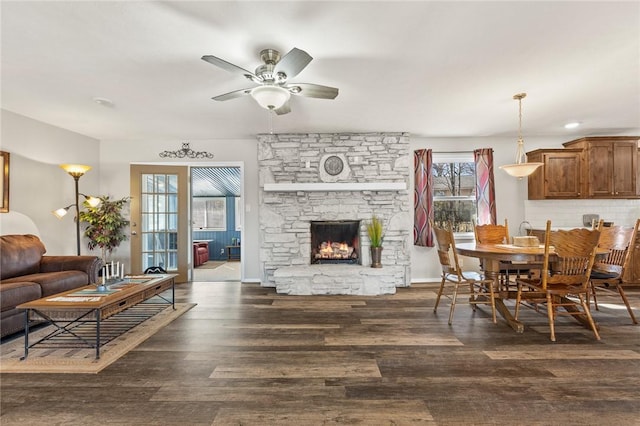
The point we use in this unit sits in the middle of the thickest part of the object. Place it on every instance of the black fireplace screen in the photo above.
(335, 241)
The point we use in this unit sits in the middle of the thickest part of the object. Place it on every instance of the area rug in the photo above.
(211, 264)
(50, 359)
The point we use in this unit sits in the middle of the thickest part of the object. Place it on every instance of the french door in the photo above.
(159, 219)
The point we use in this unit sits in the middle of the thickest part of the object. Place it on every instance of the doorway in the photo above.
(158, 230)
(216, 223)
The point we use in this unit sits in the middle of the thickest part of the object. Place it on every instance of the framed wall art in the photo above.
(4, 181)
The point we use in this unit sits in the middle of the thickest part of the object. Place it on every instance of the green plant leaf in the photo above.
(105, 223)
(375, 230)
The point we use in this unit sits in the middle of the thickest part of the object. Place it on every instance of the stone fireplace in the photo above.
(335, 242)
(308, 181)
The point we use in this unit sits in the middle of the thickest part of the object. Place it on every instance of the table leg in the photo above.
(26, 334)
(173, 293)
(98, 315)
(492, 271)
(506, 314)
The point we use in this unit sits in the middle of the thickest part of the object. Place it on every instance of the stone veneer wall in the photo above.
(285, 215)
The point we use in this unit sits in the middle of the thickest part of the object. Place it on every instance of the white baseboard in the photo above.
(425, 280)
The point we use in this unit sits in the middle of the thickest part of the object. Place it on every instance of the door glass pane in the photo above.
(173, 260)
(161, 203)
(173, 203)
(147, 202)
(147, 242)
(172, 187)
(161, 222)
(159, 246)
(173, 222)
(160, 188)
(173, 240)
(147, 260)
(147, 183)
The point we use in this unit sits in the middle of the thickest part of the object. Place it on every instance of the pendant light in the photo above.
(521, 168)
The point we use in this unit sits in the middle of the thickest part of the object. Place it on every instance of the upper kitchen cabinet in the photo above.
(560, 175)
(610, 166)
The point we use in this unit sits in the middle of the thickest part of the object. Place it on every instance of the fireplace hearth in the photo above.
(335, 242)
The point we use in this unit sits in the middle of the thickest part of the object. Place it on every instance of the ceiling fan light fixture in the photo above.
(520, 168)
(270, 97)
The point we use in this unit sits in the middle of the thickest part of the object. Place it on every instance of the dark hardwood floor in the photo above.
(247, 356)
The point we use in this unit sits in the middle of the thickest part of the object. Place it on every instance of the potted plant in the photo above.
(105, 224)
(375, 231)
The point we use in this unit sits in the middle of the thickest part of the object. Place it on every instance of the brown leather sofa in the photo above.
(27, 274)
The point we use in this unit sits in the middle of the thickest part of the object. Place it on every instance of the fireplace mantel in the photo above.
(339, 186)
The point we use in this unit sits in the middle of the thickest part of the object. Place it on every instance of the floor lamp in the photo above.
(76, 171)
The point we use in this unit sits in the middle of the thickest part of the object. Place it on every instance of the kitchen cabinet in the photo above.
(559, 177)
(609, 166)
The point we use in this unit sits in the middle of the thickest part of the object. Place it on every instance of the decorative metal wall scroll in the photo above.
(185, 152)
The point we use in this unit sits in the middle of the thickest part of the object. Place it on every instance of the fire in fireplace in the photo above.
(335, 241)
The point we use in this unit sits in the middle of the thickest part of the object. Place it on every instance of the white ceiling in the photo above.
(427, 68)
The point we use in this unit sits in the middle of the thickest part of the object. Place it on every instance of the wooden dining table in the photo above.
(491, 256)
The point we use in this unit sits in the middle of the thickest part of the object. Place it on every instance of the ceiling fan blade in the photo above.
(313, 90)
(228, 66)
(284, 109)
(232, 95)
(293, 62)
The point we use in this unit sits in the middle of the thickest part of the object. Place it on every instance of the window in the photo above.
(210, 213)
(454, 190)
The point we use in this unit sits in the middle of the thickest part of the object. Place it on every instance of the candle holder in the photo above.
(112, 273)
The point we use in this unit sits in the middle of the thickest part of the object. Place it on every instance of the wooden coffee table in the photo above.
(67, 310)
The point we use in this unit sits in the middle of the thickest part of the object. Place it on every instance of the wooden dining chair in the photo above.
(481, 289)
(494, 234)
(610, 271)
(491, 234)
(564, 274)
(499, 234)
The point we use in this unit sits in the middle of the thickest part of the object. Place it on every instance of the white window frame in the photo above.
(456, 157)
(213, 206)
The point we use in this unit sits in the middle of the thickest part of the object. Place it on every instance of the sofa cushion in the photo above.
(14, 293)
(21, 255)
(57, 282)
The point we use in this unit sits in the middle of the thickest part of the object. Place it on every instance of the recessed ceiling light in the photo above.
(103, 101)
(572, 125)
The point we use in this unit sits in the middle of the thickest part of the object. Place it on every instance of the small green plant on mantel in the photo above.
(105, 224)
(375, 231)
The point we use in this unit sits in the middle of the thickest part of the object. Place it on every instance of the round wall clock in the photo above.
(333, 165)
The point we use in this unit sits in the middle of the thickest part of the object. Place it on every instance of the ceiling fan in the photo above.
(274, 89)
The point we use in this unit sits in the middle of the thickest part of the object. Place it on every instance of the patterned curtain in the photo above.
(485, 186)
(423, 198)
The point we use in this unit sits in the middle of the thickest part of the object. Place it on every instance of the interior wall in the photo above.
(38, 185)
(117, 155)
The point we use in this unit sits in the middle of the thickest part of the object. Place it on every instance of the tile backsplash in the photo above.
(568, 213)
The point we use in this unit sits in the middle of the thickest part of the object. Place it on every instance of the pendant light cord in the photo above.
(520, 151)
